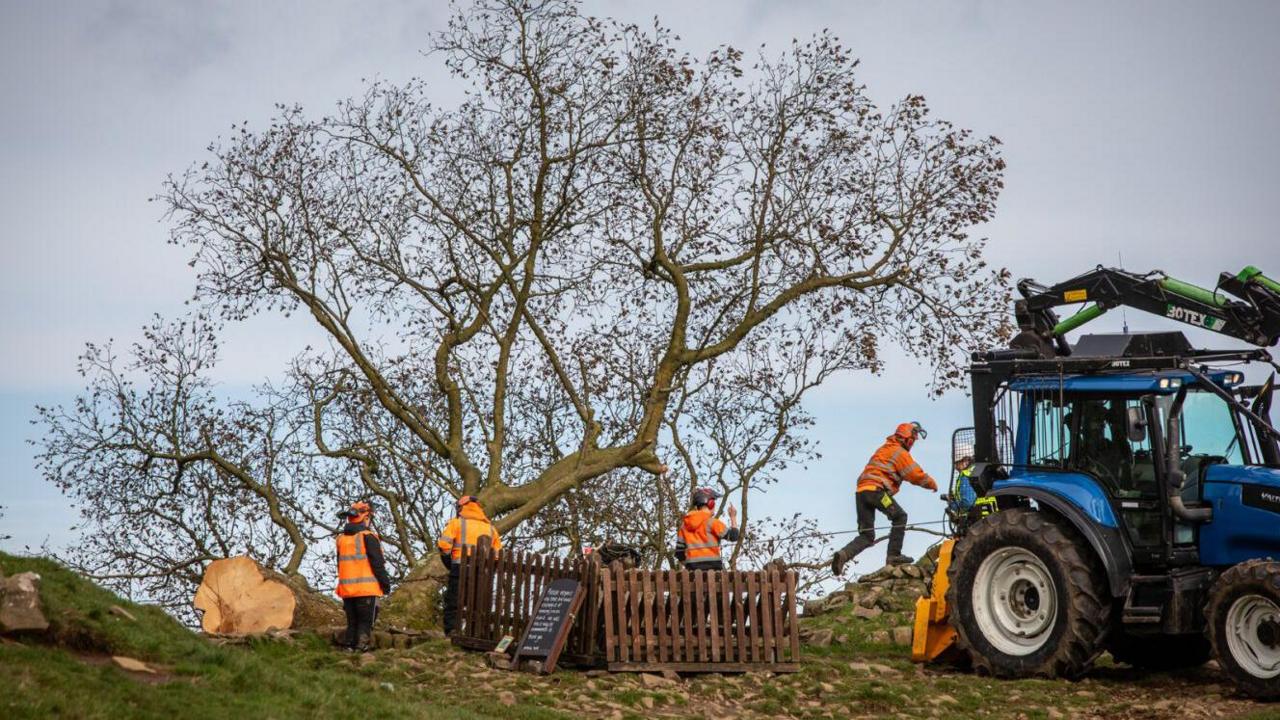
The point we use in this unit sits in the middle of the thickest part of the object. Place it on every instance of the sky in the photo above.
(1142, 132)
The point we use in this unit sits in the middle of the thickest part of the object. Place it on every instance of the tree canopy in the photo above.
(610, 257)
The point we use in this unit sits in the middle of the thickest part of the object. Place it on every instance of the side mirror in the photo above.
(1137, 424)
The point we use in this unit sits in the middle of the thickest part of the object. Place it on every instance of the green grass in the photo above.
(67, 674)
(71, 677)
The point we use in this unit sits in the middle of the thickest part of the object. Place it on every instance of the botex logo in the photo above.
(1270, 496)
(1192, 317)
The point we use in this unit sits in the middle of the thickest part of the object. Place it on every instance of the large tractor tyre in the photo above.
(1244, 626)
(1027, 597)
(1159, 652)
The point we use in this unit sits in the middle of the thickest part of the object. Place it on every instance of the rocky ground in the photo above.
(852, 668)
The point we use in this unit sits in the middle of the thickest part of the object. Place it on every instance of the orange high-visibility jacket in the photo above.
(355, 573)
(465, 530)
(701, 532)
(890, 466)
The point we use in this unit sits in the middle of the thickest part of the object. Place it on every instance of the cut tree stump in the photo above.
(239, 597)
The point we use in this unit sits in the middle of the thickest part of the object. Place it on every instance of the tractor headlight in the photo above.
(1167, 383)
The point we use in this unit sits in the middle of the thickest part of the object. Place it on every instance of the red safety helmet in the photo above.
(910, 432)
(705, 496)
(462, 501)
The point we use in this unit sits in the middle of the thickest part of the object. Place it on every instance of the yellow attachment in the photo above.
(932, 635)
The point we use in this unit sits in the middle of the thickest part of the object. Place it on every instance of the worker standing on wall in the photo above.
(700, 533)
(889, 467)
(464, 530)
(362, 575)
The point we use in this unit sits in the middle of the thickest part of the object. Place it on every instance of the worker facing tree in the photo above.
(889, 467)
(701, 533)
(543, 288)
(466, 530)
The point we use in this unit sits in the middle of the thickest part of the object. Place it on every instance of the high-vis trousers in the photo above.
(869, 503)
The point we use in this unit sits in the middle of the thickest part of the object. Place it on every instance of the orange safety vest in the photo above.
(466, 530)
(355, 573)
(701, 532)
(890, 466)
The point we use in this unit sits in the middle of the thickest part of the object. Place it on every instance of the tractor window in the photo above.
(1051, 443)
(1208, 429)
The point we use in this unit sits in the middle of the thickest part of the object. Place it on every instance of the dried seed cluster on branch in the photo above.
(611, 254)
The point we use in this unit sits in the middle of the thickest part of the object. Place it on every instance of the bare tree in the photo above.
(610, 255)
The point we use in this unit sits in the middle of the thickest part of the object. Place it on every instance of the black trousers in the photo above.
(869, 503)
(451, 599)
(361, 612)
(716, 564)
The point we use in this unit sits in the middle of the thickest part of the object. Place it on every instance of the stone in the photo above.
(871, 598)
(132, 664)
(836, 601)
(826, 688)
(913, 571)
(597, 673)
(860, 667)
(672, 675)
(880, 636)
(821, 638)
(867, 613)
(387, 686)
(507, 698)
(902, 635)
(944, 700)
(647, 702)
(20, 604)
(497, 660)
(813, 607)
(122, 613)
(651, 680)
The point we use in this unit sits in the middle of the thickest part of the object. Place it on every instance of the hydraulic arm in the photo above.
(1244, 306)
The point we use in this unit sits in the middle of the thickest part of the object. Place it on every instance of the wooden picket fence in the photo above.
(698, 621)
(499, 590)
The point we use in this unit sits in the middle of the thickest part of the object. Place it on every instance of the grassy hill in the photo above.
(68, 673)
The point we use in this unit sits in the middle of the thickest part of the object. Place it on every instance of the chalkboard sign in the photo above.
(549, 626)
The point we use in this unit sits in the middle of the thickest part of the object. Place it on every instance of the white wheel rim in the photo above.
(1245, 618)
(1015, 601)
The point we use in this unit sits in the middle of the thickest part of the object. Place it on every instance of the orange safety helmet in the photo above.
(462, 501)
(359, 511)
(910, 432)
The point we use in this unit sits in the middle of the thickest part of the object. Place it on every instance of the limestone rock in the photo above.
(867, 613)
(507, 698)
(651, 680)
(821, 638)
(20, 604)
(122, 613)
(902, 635)
(132, 664)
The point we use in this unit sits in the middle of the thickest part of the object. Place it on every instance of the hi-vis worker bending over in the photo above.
(698, 546)
(362, 575)
(465, 530)
(889, 467)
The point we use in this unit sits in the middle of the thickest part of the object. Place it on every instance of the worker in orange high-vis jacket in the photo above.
(889, 467)
(464, 530)
(362, 575)
(700, 533)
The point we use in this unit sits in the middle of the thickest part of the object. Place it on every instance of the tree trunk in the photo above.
(239, 597)
(415, 604)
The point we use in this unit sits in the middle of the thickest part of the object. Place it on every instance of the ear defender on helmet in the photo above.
(705, 496)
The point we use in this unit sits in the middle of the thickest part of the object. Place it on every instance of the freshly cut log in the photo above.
(239, 597)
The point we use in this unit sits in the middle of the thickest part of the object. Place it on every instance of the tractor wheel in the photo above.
(1027, 597)
(1159, 652)
(1244, 626)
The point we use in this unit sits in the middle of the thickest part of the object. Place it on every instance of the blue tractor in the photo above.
(1137, 488)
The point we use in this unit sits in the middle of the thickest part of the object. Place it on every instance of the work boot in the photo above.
(899, 560)
(837, 563)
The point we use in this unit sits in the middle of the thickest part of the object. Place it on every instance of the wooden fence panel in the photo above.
(699, 621)
(499, 590)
